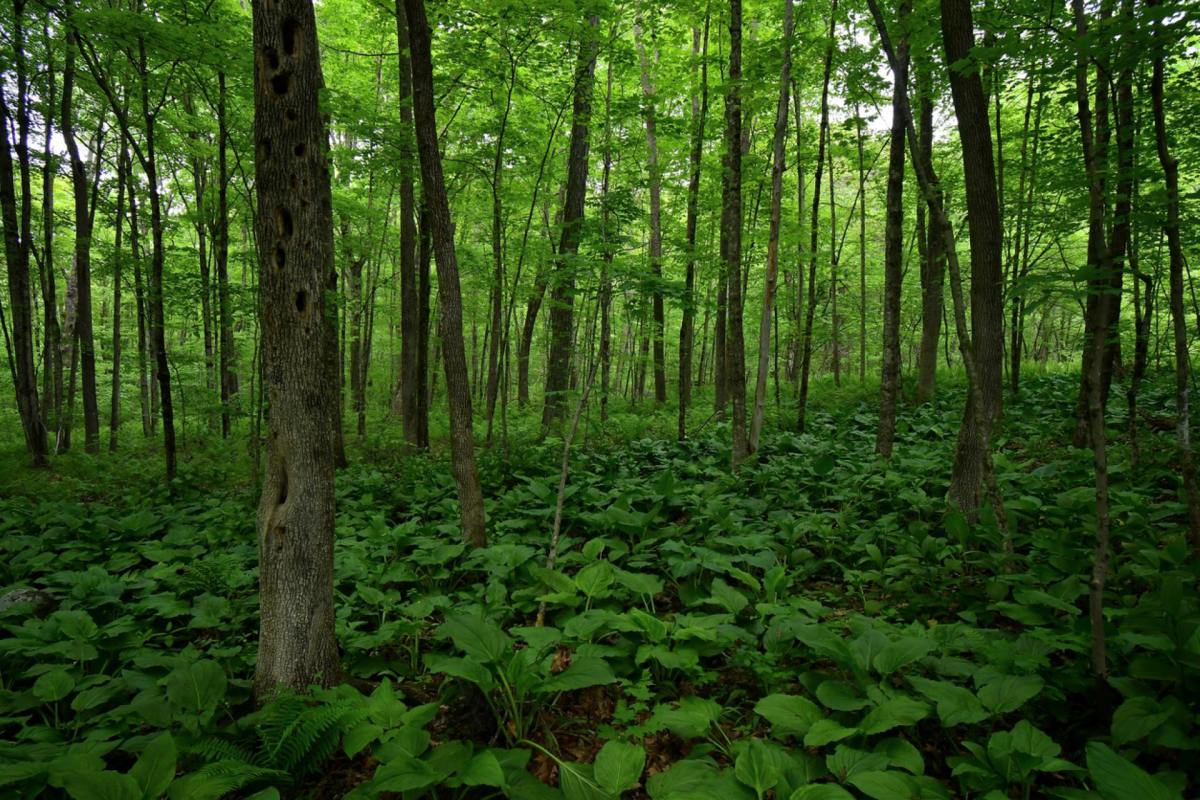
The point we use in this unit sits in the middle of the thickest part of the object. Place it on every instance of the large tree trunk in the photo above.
(52, 370)
(893, 260)
(731, 237)
(562, 294)
(17, 244)
(983, 215)
(1170, 168)
(294, 229)
(412, 384)
(687, 326)
(462, 440)
(655, 175)
(811, 305)
(85, 340)
(777, 165)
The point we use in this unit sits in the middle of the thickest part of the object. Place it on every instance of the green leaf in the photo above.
(727, 597)
(578, 783)
(847, 761)
(594, 579)
(1010, 692)
(359, 737)
(759, 767)
(788, 714)
(53, 686)
(198, 686)
(823, 465)
(1137, 718)
(404, 773)
(619, 766)
(1119, 779)
(690, 719)
(841, 696)
(155, 767)
(463, 668)
(101, 786)
(955, 704)
(900, 654)
(821, 791)
(825, 731)
(897, 712)
(886, 785)
(584, 671)
(483, 769)
(481, 639)
(384, 707)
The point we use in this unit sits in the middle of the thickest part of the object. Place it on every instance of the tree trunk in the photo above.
(687, 326)
(497, 293)
(114, 408)
(810, 310)
(1170, 168)
(777, 165)
(85, 340)
(462, 440)
(983, 215)
(562, 294)
(17, 243)
(862, 235)
(52, 369)
(411, 339)
(605, 354)
(655, 176)
(228, 358)
(933, 263)
(731, 237)
(893, 260)
(294, 229)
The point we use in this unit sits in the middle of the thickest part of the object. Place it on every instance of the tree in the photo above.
(687, 334)
(462, 439)
(655, 171)
(562, 294)
(889, 383)
(294, 227)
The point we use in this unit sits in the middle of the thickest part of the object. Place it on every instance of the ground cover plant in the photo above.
(812, 626)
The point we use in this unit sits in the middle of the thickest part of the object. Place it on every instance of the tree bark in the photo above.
(228, 358)
(731, 237)
(893, 260)
(655, 176)
(17, 245)
(297, 278)
(777, 166)
(562, 293)
(811, 306)
(1170, 168)
(983, 216)
(933, 263)
(412, 384)
(462, 440)
(687, 326)
(114, 408)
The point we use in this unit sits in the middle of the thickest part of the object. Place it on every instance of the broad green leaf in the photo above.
(690, 719)
(198, 686)
(1116, 778)
(897, 712)
(464, 668)
(155, 767)
(788, 714)
(955, 704)
(483, 769)
(618, 766)
(101, 786)
(578, 783)
(1137, 718)
(584, 671)
(1010, 692)
(759, 766)
(901, 653)
(480, 638)
(821, 791)
(53, 686)
(841, 696)
(359, 737)
(847, 761)
(825, 731)
(886, 786)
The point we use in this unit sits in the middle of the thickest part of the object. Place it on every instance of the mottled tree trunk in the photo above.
(731, 237)
(933, 262)
(687, 327)
(294, 229)
(655, 176)
(228, 357)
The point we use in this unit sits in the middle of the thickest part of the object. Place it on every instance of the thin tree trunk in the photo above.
(862, 239)
(933, 263)
(52, 369)
(462, 440)
(562, 293)
(228, 358)
(655, 175)
(412, 340)
(1170, 168)
(731, 237)
(114, 408)
(777, 166)
(687, 333)
(810, 310)
(497, 293)
(893, 266)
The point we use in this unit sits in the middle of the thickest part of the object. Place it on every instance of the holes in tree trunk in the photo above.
(283, 223)
(280, 258)
(290, 114)
(264, 149)
(299, 150)
(271, 57)
(281, 83)
(301, 301)
(290, 28)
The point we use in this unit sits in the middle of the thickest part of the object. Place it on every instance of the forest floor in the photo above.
(814, 626)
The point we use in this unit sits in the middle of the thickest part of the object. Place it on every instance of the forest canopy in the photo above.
(740, 400)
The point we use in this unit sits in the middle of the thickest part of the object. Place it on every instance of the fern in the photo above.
(297, 736)
(211, 749)
(222, 777)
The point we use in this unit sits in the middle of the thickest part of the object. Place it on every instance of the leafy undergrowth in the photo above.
(815, 626)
